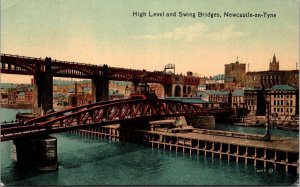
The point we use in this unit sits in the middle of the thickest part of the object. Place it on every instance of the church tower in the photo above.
(274, 65)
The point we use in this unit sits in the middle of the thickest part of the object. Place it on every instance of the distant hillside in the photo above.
(11, 85)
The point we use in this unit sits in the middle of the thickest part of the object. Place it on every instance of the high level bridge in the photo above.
(43, 71)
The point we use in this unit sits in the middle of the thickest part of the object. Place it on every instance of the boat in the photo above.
(288, 128)
(248, 124)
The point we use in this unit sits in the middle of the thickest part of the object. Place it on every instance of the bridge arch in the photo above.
(19, 66)
(177, 91)
(189, 89)
(184, 89)
(74, 70)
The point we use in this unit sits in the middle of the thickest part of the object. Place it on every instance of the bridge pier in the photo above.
(38, 153)
(100, 86)
(43, 89)
(202, 122)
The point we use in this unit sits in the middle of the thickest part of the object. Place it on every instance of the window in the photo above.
(291, 102)
(274, 110)
(291, 110)
(281, 109)
(281, 102)
(274, 102)
(287, 103)
(287, 110)
(277, 109)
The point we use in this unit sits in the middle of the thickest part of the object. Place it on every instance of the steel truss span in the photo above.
(14, 64)
(100, 114)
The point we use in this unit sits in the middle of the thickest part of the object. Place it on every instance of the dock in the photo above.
(279, 154)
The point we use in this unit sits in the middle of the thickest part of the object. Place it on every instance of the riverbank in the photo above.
(16, 106)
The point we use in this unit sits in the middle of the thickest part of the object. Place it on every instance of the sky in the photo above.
(107, 32)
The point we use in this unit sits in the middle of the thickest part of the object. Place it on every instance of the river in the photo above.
(90, 161)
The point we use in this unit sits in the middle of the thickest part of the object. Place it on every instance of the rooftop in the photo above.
(219, 77)
(229, 79)
(217, 92)
(283, 87)
(8, 85)
(238, 93)
(192, 100)
(21, 94)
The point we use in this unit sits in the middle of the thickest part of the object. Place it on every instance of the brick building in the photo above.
(272, 77)
(220, 99)
(238, 99)
(216, 82)
(236, 71)
(255, 101)
(283, 100)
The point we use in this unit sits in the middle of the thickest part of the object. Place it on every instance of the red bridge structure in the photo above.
(43, 71)
(33, 146)
(101, 114)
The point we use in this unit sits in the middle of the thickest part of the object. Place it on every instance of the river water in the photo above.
(90, 161)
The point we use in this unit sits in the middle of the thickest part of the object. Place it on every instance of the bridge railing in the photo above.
(21, 131)
(102, 113)
(125, 109)
(18, 56)
(66, 111)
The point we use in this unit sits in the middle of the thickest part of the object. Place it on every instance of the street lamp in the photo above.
(268, 127)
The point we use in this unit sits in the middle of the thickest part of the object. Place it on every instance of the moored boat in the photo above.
(288, 128)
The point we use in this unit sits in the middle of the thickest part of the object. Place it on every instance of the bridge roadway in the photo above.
(14, 64)
(43, 71)
(101, 114)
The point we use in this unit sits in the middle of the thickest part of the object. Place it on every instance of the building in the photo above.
(274, 65)
(20, 98)
(16, 94)
(255, 100)
(272, 77)
(220, 99)
(236, 71)
(201, 87)
(7, 93)
(284, 101)
(216, 82)
(183, 86)
(230, 84)
(238, 99)
(192, 100)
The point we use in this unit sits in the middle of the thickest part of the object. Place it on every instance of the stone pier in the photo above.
(100, 85)
(203, 122)
(39, 153)
(43, 88)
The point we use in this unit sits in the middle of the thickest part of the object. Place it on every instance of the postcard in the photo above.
(164, 92)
